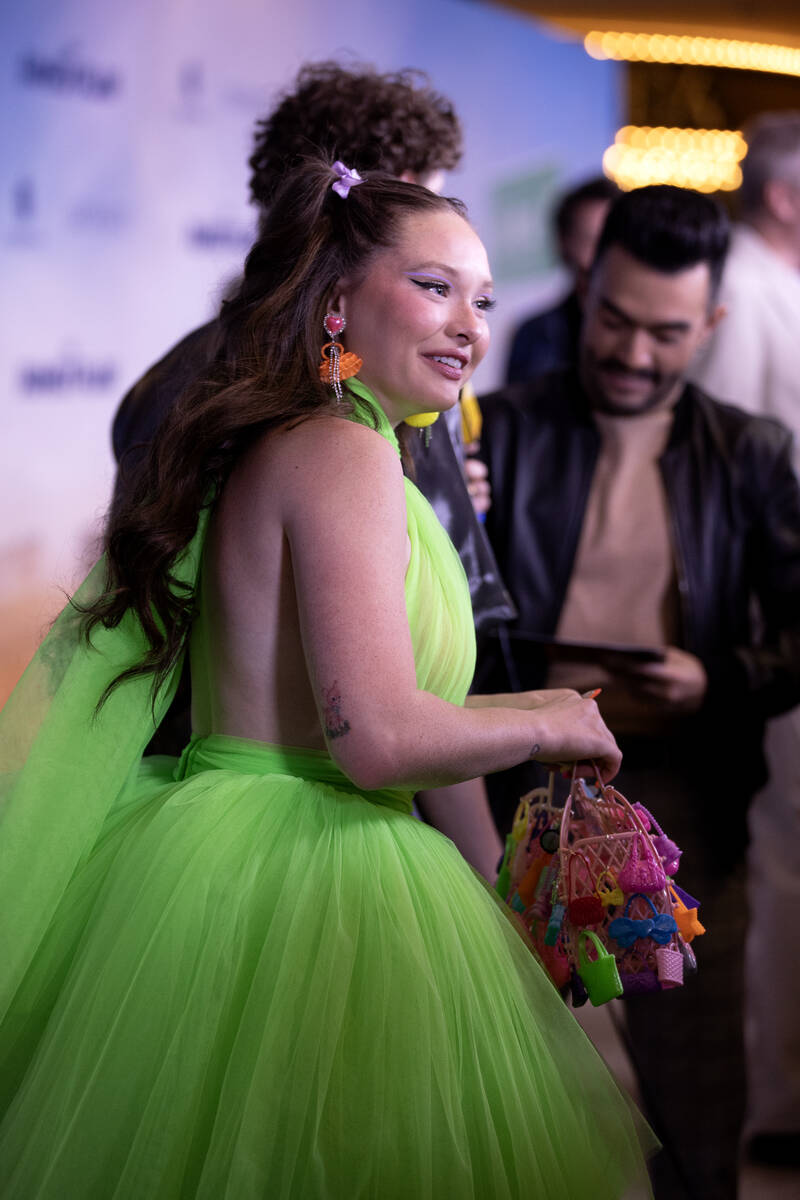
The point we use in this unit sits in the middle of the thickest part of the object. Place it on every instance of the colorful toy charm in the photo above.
(685, 911)
(642, 871)
(626, 930)
(600, 976)
(586, 909)
(665, 848)
(608, 890)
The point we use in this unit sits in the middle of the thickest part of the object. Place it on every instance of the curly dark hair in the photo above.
(265, 376)
(393, 123)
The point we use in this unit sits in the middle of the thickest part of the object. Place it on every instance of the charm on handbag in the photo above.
(554, 924)
(626, 930)
(599, 976)
(586, 909)
(608, 891)
(665, 848)
(642, 871)
(684, 910)
(669, 966)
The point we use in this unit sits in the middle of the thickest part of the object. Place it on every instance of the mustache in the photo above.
(614, 364)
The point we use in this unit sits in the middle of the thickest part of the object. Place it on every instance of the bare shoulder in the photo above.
(322, 455)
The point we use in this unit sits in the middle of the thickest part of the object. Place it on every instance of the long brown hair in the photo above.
(265, 376)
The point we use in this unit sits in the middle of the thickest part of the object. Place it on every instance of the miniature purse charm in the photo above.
(599, 976)
(582, 910)
(642, 871)
(669, 966)
(607, 889)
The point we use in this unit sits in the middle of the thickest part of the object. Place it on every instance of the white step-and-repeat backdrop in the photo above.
(124, 210)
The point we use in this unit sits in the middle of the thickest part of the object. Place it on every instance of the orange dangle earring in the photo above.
(339, 363)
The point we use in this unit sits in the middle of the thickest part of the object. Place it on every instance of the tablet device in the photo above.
(573, 650)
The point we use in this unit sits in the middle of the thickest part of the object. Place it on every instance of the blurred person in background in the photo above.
(753, 360)
(628, 507)
(549, 340)
(397, 123)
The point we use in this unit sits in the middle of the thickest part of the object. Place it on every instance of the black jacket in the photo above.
(547, 341)
(734, 502)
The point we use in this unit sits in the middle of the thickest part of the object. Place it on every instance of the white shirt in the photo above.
(753, 358)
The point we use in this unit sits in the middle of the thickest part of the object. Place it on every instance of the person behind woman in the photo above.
(253, 974)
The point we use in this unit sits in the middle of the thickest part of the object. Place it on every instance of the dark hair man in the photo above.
(549, 340)
(630, 508)
(753, 360)
(395, 122)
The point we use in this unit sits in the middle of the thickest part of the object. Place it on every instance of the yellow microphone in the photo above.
(471, 416)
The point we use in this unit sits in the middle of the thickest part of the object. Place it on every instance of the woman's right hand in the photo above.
(570, 730)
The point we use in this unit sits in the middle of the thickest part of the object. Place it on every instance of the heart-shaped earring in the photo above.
(339, 363)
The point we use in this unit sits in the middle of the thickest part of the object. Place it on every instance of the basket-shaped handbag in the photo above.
(586, 881)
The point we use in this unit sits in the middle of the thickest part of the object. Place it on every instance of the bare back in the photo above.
(249, 669)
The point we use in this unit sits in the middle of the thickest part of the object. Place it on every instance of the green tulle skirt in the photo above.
(264, 984)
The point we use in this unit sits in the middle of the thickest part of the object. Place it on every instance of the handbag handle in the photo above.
(605, 789)
(573, 858)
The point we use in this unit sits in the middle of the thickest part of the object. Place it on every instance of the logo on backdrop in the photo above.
(220, 235)
(62, 377)
(252, 100)
(23, 228)
(68, 72)
(98, 214)
(192, 105)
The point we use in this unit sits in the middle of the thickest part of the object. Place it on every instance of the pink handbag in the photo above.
(642, 871)
(669, 966)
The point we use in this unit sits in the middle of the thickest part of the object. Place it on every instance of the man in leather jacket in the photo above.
(631, 509)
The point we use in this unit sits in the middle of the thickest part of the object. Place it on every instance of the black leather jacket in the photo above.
(734, 502)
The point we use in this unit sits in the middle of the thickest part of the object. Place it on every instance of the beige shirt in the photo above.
(623, 587)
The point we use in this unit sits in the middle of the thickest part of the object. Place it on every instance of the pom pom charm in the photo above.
(423, 422)
(339, 363)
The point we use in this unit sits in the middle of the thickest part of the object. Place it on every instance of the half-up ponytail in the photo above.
(264, 376)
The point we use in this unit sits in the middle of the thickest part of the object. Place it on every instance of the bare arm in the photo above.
(462, 813)
(343, 508)
(525, 700)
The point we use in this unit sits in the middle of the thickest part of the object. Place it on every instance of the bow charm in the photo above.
(659, 928)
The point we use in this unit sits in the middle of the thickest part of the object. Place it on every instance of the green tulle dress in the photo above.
(238, 977)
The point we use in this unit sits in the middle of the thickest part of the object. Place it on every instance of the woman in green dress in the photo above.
(251, 973)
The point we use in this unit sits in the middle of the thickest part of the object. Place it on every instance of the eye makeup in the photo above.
(487, 302)
(425, 275)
